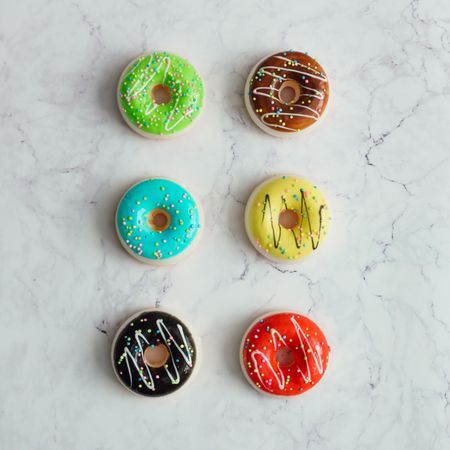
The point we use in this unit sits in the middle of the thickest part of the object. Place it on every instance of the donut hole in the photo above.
(288, 219)
(284, 356)
(156, 356)
(159, 219)
(161, 94)
(289, 92)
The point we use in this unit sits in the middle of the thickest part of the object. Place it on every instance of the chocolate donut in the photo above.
(153, 353)
(286, 93)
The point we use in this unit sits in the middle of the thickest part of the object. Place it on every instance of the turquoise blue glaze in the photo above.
(132, 219)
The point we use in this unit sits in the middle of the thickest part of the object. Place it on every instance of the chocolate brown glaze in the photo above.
(148, 329)
(307, 82)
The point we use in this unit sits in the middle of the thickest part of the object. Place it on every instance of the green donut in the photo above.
(181, 86)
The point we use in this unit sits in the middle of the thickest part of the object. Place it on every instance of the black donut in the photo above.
(142, 338)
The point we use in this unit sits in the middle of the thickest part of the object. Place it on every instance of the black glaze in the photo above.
(146, 325)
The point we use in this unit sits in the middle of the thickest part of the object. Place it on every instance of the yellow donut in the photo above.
(286, 218)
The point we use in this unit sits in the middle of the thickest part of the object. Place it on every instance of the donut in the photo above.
(286, 218)
(158, 221)
(284, 354)
(160, 94)
(286, 93)
(153, 353)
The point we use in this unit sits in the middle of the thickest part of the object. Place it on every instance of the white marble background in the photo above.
(378, 288)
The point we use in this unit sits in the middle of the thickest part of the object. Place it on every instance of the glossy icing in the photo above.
(279, 194)
(132, 220)
(303, 339)
(138, 105)
(263, 91)
(149, 329)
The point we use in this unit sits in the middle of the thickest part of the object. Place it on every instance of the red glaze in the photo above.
(305, 342)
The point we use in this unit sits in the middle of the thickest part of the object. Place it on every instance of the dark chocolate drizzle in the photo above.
(304, 212)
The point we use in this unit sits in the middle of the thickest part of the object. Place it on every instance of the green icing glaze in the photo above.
(175, 74)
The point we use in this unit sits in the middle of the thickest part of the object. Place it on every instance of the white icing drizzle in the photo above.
(150, 78)
(138, 362)
(278, 374)
(317, 359)
(257, 91)
(149, 110)
(148, 381)
(186, 113)
(319, 75)
(313, 93)
(171, 340)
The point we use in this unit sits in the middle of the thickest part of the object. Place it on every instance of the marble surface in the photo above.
(378, 287)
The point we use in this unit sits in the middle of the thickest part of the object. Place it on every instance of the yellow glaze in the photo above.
(262, 213)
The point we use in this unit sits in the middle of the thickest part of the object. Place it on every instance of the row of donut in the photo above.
(161, 94)
(154, 353)
(158, 221)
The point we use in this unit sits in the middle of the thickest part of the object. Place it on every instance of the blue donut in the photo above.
(157, 220)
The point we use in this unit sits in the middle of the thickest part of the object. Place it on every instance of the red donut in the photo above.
(284, 354)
